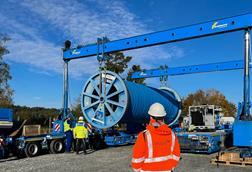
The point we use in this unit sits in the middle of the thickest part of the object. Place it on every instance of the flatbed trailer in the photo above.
(32, 145)
(14, 143)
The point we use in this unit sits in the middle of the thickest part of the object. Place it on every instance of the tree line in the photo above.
(34, 115)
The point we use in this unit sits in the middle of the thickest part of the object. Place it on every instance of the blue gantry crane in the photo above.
(243, 121)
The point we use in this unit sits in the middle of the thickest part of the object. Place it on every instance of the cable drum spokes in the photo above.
(104, 104)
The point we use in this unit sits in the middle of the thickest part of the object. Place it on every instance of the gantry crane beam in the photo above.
(193, 69)
(215, 27)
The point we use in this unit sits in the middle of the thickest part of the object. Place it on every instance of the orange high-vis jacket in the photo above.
(156, 149)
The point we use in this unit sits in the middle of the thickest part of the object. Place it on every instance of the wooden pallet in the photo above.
(240, 163)
(232, 159)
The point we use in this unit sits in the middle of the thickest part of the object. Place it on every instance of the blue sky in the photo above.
(39, 28)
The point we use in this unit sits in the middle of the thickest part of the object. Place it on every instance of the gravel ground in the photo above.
(110, 159)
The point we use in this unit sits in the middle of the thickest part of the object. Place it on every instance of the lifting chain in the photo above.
(102, 57)
(164, 78)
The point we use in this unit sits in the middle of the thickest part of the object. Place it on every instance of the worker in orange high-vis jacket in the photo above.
(157, 148)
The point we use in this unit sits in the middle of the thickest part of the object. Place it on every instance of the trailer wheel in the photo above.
(57, 146)
(31, 149)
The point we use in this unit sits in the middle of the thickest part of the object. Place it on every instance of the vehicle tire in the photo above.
(32, 149)
(20, 154)
(57, 146)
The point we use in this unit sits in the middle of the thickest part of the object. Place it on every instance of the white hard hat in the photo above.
(81, 118)
(157, 110)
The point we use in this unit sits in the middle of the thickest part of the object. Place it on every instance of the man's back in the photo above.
(80, 131)
(156, 149)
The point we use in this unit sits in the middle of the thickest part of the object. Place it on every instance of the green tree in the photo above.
(210, 97)
(5, 91)
(135, 68)
(76, 107)
(117, 62)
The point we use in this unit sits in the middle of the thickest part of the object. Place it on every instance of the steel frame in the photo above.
(242, 22)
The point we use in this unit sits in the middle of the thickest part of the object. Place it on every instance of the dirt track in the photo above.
(110, 159)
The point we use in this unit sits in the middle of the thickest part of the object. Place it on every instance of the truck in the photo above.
(12, 142)
(204, 117)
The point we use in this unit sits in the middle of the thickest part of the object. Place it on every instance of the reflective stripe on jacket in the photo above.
(156, 149)
(66, 126)
(80, 132)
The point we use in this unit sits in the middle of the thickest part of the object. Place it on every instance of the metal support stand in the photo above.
(246, 89)
(243, 123)
(65, 98)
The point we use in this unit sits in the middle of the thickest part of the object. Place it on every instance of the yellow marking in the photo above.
(6, 123)
(214, 25)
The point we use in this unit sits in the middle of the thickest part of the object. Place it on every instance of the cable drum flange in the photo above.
(179, 103)
(104, 107)
(114, 100)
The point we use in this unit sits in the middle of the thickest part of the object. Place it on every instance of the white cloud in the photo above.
(81, 22)
(37, 98)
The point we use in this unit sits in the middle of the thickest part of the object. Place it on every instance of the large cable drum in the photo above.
(107, 99)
